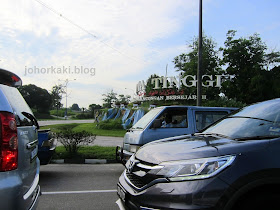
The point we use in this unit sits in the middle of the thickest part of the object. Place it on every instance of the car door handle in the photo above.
(32, 144)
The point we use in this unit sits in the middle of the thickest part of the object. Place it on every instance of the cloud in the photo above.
(116, 38)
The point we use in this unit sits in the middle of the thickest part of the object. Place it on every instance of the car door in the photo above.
(28, 163)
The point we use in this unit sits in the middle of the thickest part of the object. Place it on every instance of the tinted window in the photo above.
(147, 118)
(18, 104)
(258, 120)
(205, 118)
(174, 118)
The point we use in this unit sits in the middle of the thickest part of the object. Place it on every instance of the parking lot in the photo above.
(79, 186)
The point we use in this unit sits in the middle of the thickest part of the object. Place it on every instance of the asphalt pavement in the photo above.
(79, 186)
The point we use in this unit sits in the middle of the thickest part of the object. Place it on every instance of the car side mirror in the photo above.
(156, 124)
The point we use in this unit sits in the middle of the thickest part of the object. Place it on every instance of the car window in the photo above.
(260, 119)
(205, 118)
(18, 104)
(174, 118)
(146, 119)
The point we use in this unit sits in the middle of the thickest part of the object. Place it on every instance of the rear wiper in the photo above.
(256, 138)
(32, 118)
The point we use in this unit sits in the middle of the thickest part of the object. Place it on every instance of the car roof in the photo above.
(9, 78)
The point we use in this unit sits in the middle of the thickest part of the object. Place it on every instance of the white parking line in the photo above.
(77, 192)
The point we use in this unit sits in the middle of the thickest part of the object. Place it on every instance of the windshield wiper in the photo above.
(256, 138)
(255, 118)
(137, 128)
(212, 135)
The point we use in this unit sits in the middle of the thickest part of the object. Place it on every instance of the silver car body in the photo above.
(19, 188)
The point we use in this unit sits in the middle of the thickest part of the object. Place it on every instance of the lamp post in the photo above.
(199, 66)
(66, 95)
(133, 94)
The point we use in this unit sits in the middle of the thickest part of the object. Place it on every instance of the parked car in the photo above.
(47, 146)
(167, 121)
(19, 164)
(233, 164)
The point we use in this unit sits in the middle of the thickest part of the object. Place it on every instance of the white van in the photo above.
(168, 121)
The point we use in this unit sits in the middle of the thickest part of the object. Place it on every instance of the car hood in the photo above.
(192, 147)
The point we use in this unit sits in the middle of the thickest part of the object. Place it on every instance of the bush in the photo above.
(84, 116)
(72, 141)
(110, 124)
(61, 112)
(224, 102)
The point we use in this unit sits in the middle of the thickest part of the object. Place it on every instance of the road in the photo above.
(79, 186)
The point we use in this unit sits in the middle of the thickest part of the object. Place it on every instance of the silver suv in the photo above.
(19, 164)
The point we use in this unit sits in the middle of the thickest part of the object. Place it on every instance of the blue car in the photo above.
(46, 146)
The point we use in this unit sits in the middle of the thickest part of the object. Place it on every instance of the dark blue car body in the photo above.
(46, 147)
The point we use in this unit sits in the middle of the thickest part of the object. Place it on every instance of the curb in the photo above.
(83, 161)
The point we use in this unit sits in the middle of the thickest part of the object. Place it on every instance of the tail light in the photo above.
(8, 142)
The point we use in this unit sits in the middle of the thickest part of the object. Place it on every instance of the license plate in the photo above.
(121, 193)
(34, 153)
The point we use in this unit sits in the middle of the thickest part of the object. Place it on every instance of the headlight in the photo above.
(134, 148)
(194, 169)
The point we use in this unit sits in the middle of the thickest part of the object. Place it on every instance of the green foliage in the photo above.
(37, 98)
(110, 124)
(89, 127)
(123, 99)
(61, 112)
(56, 95)
(42, 115)
(75, 107)
(246, 58)
(87, 152)
(84, 116)
(224, 102)
(72, 141)
(187, 64)
(255, 71)
(109, 98)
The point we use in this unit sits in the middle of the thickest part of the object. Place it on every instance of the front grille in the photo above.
(139, 177)
(135, 180)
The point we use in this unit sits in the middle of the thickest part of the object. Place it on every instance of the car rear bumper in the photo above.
(11, 193)
(36, 195)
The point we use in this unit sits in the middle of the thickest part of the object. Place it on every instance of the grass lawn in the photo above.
(87, 152)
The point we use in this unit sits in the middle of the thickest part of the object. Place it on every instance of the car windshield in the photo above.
(256, 121)
(147, 118)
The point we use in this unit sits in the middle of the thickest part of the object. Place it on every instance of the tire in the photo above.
(263, 201)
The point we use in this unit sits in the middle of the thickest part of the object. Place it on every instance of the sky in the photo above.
(98, 46)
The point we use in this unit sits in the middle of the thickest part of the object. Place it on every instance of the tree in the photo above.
(246, 59)
(75, 107)
(109, 98)
(37, 98)
(187, 63)
(122, 99)
(56, 95)
(93, 108)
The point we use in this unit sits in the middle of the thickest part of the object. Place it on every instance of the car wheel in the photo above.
(259, 201)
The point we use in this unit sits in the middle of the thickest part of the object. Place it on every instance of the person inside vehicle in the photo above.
(167, 123)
